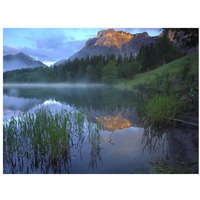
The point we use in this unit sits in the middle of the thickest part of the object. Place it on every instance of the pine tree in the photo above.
(109, 75)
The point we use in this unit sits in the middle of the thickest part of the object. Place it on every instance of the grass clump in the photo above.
(41, 142)
(160, 108)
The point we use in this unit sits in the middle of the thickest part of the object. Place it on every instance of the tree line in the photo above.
(99, 68)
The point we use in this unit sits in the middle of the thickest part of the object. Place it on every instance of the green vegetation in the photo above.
(109, 75)
(173, 70)
(154, 55)
(168, 86)
(175, 94)
(44, 140)
(160, 108)
(166, 93)
(128, 70)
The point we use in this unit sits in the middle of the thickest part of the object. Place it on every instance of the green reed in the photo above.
(45, 138)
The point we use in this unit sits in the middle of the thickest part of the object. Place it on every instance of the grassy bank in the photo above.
(168, 95)
(167, 91)
(173, 71)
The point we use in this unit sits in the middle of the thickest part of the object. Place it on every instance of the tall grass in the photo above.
(159, 108)
(41, 142)
(157, 113)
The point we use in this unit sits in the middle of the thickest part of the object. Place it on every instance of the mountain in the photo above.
(19, 61)
(119, 42)
(60, 62)
(112, 42)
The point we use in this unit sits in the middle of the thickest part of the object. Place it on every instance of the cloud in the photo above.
(52, 43)
(50, 49)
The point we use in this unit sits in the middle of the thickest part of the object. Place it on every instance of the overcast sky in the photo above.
(53, 44)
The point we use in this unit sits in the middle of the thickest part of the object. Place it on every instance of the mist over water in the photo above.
(55, 85)
(121, 130)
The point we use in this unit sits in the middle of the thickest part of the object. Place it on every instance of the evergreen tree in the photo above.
(68, 76)
(133, 68)
(122, 69)
(109, 73)
(131, 57)
(98, 70)
(89, 74)
(119, 59)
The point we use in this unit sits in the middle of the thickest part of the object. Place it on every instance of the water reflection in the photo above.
(21, 104)
(112, 123)
(112, 107)
(95, 98)
(152, 139)
(118, 150)
(44, 141)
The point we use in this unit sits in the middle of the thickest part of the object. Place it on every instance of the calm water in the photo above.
(121, 148)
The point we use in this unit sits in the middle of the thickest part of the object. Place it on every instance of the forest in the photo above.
(100, 69)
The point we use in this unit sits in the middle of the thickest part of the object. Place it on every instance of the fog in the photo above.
(59, 85)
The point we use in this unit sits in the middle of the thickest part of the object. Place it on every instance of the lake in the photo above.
(121, 149)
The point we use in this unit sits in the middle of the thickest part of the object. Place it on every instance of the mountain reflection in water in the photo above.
(120, 149)
(112, 123)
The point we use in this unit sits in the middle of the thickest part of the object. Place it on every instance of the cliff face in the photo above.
(136, 43)
(110, 38)
(114, 42)
(185, 39)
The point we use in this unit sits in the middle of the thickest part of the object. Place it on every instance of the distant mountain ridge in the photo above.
(112, 42)
(19, 61)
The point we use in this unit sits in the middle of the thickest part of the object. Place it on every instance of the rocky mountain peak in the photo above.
(144, 35)
(110, 41)
(110, 38)
(104, 32)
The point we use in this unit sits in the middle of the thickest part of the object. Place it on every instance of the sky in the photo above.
(50, 45)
